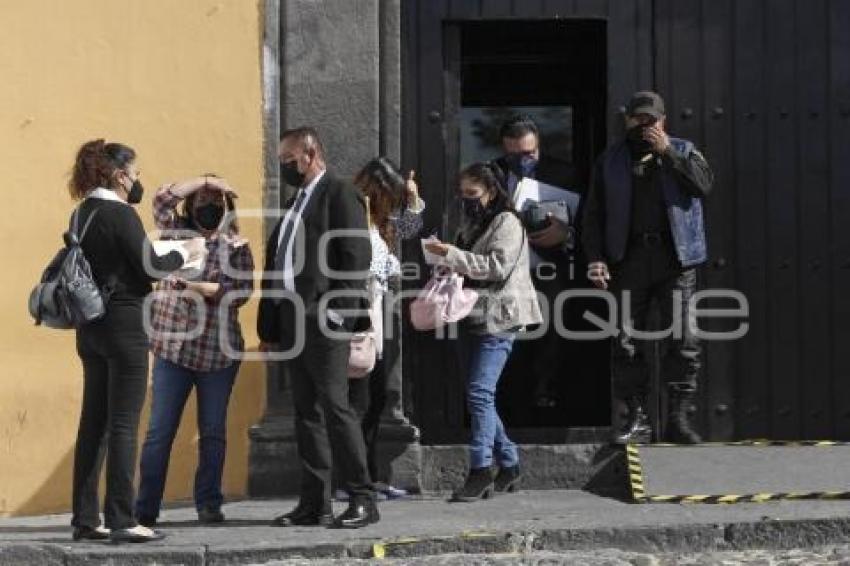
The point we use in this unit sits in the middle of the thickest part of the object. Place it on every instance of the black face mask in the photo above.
(634, 137)
(209, 216)
(472, 208)
(289, 172)
(134, 195)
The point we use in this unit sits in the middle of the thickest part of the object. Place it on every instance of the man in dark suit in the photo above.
(553, 245)
(522, 158)
(318, 258)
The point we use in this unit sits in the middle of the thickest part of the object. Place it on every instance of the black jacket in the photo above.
(334, 205)
(686, 178)
(115, 247)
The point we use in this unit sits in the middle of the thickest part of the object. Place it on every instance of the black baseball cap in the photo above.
(646, 102)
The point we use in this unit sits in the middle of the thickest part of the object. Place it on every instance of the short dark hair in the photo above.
(518, 126)
(307, 136)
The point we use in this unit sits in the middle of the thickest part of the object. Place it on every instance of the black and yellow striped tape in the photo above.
(635, 471)
(750, 498)
(750, 443)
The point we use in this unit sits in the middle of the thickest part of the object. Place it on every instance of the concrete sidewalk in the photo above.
(526, 521)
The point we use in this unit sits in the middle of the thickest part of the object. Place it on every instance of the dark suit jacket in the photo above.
(334, 205)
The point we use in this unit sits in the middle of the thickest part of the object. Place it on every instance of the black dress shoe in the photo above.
(303, 516)
(128, 535)
(361, 511)
(507, 480)
(89, 533)
(209, 515)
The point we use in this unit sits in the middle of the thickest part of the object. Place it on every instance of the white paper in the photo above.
(163, 247)
(532, 190)
(430, 258)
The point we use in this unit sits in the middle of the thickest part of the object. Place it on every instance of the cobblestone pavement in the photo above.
(832, 555)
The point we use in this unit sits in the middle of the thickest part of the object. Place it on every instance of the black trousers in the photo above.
(327, 429)
(114, 353)
(368, 397)
(651, 273)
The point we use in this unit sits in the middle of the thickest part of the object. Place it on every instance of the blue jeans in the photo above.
(487, 355)
(172, 384)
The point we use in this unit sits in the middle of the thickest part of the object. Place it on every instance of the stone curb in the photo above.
(765, 534)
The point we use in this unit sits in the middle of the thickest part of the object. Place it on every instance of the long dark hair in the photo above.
(490, 176)
(189, 205)
(95, 166)
(383, 184)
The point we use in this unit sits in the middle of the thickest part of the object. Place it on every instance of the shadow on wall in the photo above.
(246, 407)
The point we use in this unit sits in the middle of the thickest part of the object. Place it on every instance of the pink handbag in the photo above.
(442, 301)
(365, 348)
(363, 355)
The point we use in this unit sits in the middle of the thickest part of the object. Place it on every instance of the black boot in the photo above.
(507, 480)
(636, 430)
(679, 429)
(478, 485)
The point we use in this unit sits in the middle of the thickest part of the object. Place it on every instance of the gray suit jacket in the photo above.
(499, 257)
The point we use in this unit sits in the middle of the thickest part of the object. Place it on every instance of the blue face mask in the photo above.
(521, 164)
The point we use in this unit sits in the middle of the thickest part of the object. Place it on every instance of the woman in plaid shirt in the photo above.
(196, 340)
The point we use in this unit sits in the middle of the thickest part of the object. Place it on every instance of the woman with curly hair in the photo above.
(114, 348)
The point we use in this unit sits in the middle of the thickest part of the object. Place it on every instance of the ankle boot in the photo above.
(478, 485)
(679, 429)
(507, 480)
(636, 430)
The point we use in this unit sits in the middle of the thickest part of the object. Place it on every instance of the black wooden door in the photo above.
(763, 87)
(431, 90)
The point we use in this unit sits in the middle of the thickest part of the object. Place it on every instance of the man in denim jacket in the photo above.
(644, 235)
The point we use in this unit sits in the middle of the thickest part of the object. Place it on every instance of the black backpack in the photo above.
(68, 296)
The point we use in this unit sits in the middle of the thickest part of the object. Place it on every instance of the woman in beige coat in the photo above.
(492, 253)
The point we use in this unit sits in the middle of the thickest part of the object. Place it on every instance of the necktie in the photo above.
(288, 230)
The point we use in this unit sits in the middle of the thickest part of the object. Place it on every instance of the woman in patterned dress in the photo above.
(395, 214)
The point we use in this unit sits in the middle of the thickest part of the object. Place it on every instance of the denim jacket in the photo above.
(684, 210)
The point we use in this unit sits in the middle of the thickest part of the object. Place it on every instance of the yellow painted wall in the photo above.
(180, 82)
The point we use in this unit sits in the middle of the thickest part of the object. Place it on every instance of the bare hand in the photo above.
(207, 289)
(598, 274)
(553, 235)
(657, 137)
(437, 247)
(412, 187)
(196, 248)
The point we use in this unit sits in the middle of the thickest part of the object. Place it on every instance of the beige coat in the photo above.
(500, 257)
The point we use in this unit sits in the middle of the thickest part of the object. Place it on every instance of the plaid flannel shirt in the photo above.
(186, 329)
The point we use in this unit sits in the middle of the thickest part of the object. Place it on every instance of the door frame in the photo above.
(430, 134)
